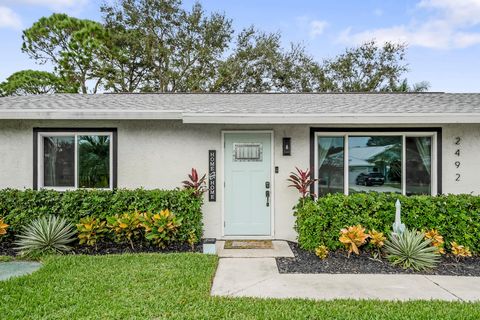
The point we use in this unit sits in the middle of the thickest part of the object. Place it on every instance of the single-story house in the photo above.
(247, 144)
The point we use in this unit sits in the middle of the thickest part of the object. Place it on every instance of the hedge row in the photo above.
(456, 217)
(19, 207)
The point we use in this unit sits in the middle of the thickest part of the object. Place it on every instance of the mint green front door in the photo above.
(248, 185)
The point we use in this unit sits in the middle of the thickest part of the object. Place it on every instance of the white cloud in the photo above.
(447, 25)
(317, 27)
(9, 19)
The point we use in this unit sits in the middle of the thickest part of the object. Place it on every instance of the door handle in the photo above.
(267, 194)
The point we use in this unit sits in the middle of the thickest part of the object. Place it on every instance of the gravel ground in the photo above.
(7, 248)
(338, 262)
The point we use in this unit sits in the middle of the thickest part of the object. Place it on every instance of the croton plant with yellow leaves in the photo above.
(91, 230)
(460, 251)
(436, 240)
(160, 228)
(126, 227)
(3, 227)
(353, 237)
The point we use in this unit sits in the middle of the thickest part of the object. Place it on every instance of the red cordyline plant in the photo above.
(301, 181)
(195, 183)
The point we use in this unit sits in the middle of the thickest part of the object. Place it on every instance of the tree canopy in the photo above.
(27, 82)
(160, 46)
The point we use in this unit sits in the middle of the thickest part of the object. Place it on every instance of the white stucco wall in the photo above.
(469, 159)
(159, 154)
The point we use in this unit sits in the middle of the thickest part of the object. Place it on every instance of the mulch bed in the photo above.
(338, 262)
(7, 248)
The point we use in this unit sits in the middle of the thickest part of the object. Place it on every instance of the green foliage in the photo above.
(456, 217)
(161, 228)
(175, 49)
(161, 46)
(5, 258)
(45, 235)
(259, 63)
(91, 230)
(35, 82)
(411, 251)
(72, 45)
(370, 67)
(126, 227)
(19, 207)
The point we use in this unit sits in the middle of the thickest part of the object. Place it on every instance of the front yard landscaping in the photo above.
(339, 262)
(364, 233)
(176, 286)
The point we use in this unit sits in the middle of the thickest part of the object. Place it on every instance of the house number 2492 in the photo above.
(457, 163)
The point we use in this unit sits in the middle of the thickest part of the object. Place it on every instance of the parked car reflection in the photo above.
(370, 179)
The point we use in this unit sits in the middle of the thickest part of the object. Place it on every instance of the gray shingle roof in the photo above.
(203, 105)
(351, 103)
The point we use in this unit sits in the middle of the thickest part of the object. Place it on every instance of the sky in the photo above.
(443, 35)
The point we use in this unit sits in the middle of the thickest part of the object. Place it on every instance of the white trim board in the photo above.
(242, 118)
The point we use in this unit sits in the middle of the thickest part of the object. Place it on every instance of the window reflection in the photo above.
(330, 165)
(418, 165)
(59, 161)
(374, 164)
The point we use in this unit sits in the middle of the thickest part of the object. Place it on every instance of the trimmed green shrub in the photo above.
(456, 217)
(19, 207)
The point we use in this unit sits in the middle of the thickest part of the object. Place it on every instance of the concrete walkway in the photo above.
(259, 277)
(17, 268)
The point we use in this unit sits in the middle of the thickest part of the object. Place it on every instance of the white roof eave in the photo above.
(366, 118)
(90, 115)
(242, 118)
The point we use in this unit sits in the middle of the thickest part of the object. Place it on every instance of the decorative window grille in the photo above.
(247, 152)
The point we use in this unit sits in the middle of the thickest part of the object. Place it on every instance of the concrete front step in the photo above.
(259, 277)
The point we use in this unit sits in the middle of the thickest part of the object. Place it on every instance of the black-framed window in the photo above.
(400, 160)
(71, 158)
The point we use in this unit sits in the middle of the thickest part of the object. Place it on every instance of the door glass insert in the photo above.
(247, 152)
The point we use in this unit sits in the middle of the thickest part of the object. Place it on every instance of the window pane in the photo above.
(330, 165)
(418, 165)
(58, 161)
(94, 161)
(374, 164)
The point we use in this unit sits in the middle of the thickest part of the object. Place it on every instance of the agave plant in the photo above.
(301, 181)
(411, 250)
(195, 183)
(46, 235)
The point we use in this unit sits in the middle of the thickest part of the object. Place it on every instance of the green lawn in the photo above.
(156, 286)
